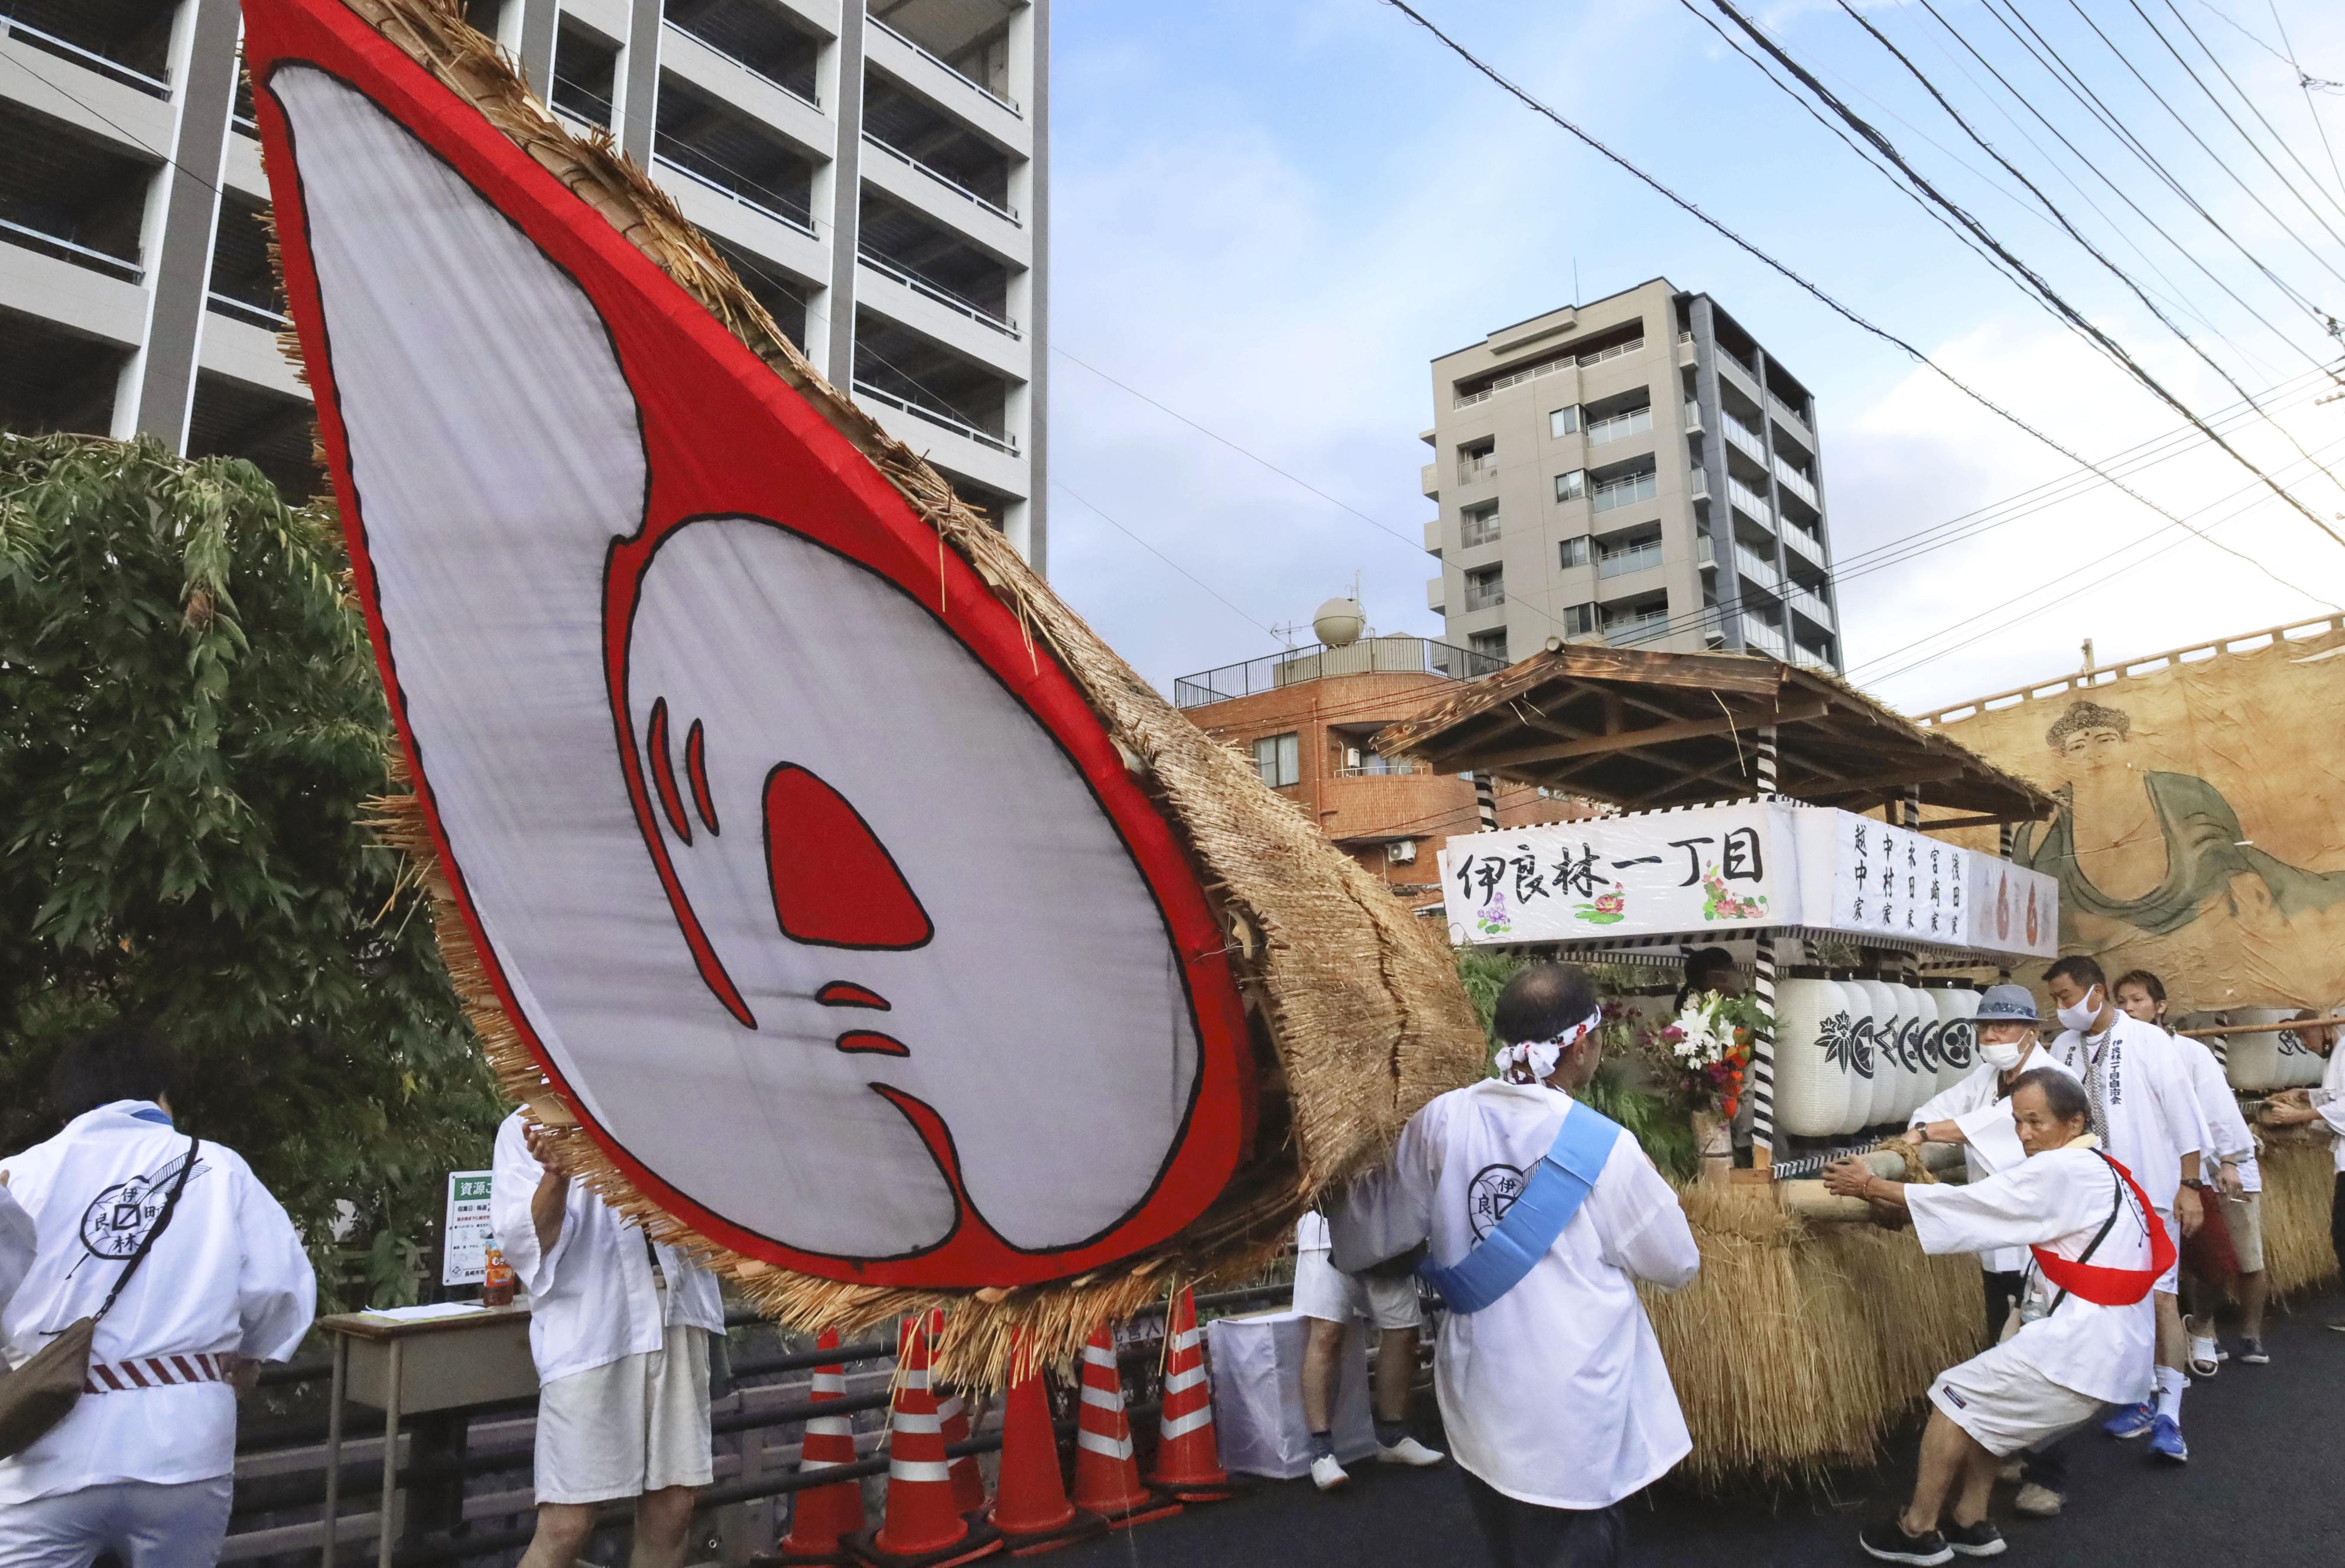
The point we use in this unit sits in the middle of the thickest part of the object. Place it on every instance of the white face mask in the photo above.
(2080, 1017)
(2002, 1055)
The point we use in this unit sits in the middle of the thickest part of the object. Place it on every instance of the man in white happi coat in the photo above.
(143, 1466)
(619, 1327)
(1976, 1114)
(2237, 1187)
(2086, 1316)
(2323, 1108)
(1556, 1399)
(2145, 1114)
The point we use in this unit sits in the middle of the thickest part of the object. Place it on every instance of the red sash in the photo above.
(2104, 1287)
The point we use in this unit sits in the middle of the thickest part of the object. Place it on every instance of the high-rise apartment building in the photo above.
(1637, 472)
(876, 170)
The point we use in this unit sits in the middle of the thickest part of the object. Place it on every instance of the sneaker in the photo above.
(1408, 1451)
(2013, 1471)
(2253, 1354)
(1980, 1540)
(2133, 1422)
(2335, 1324)
(2038, 1502)
(2204, 1359)
(1887, 1541)
(2166, 1439)
(1327, 1472)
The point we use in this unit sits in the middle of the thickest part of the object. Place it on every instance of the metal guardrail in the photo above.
(942, 177)
(1369, 655)
(810, 100)
(803, 225)
(282, 1494)
(40, 238)
(936, 291)
(89, 59)
(953, 423)
(245, 311)
(1004, 99)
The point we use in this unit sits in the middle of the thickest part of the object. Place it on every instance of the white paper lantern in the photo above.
(1880, 1014)
(1815, 1083)
(1917, 1026)
(2261, 1062)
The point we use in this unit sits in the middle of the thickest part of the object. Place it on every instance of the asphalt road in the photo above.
(2265, 1488)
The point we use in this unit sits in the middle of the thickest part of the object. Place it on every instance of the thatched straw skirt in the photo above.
(1802, 1343)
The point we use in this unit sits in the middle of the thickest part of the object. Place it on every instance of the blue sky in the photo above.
(1270, 216)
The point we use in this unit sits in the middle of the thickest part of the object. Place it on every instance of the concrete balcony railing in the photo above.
(1756, 571)
(1004, 99)
(1812, 607)
(1786, 414)
(1792, 480)
(1805, 544)
(1643, 557)
(942, 178)
(1757, 634)
(1619, 425)
(1752, 443)
(1750, 501)
(88, 59)
(1692, 416)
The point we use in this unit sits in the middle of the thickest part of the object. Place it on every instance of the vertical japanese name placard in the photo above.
(1891, 882)
(1718, 867)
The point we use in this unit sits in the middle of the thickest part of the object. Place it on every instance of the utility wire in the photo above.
(2175, 115)
(2090, 249)
(2092, 166)
(2076, 320)
(2304, 82)
(2062, 73)
(2244, 136)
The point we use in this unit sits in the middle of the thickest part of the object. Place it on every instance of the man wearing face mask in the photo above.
(2147, 1115)
(1538, 1217)
(1976, 1114)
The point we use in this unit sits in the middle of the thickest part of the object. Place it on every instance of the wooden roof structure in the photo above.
(1641, 729)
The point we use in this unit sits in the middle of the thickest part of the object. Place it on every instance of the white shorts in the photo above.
(145, 1523)
(2245, 1215)
(1326, 1292)
(638, 1424)
(2170, 1282)
(2006, 1404)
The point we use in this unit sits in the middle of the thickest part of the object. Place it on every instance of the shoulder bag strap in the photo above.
(162, 1222)
(1557, 1186)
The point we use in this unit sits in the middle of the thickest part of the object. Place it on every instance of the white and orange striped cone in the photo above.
(1188, 1456)
(823, 1516)
(920, 1527)
(1107, 1480)
(969, 1480)
(1029, 1506)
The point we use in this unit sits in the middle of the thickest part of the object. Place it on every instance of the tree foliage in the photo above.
(190, 723)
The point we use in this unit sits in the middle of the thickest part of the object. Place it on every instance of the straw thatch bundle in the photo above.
(2299, 1180)
(1359, 1009)
(1804, 1342)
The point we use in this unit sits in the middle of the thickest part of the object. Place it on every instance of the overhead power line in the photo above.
(1829, 302)
(2075, 319)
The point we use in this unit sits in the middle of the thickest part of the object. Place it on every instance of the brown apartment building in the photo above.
(1307, 719)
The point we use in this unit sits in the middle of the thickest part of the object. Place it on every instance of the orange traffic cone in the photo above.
(921, 1528)
(1107, 1481)
(823, 1514)
(1031, 1508)
(1188, 1458)
(967, 1479)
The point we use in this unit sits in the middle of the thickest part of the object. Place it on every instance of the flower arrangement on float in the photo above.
(1702, 1057)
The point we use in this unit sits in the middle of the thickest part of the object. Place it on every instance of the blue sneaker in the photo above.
(2133, 1422)
(2166, 1439)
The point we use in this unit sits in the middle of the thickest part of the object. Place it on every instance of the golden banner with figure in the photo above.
(2201, 827)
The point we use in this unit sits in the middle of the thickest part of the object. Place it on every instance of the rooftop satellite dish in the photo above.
(1339, 623)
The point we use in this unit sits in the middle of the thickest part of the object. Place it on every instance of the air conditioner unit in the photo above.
(1401, 851)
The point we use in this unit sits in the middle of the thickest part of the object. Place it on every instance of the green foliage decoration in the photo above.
(1658, 1121)
(190, 726)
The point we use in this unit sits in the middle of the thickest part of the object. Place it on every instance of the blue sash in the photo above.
(1559, 1185)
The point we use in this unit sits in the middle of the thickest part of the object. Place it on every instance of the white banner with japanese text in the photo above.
(1741, 867)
